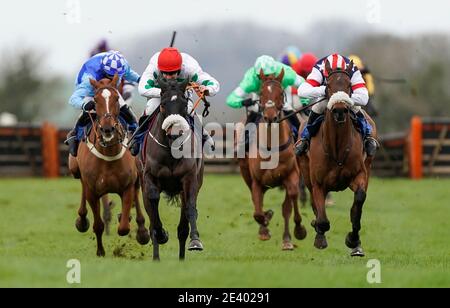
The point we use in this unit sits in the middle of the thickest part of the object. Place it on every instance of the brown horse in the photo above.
(336, 160)
(285, 174)
(176, 176)
(104, 165)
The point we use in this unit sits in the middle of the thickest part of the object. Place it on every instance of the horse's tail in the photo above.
(173, 198)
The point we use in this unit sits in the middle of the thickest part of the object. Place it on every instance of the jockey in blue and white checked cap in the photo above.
(100, 66)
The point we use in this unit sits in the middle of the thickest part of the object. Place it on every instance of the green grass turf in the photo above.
(405, 226)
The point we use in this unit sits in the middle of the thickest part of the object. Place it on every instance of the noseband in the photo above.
(117, 126)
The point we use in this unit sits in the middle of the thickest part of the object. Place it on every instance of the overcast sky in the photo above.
(68, 29)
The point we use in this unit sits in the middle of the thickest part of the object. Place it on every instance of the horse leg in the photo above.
(183, 230)
(99, 226)
(82, 223)
(359, 187)
(127, 200)
(262, 218)
(142, 235)
(190, 190)
(151, 203)
(287, 212)
(107, 216)
(292, 191)
(303, 195)
(321, 224)
(245, 172)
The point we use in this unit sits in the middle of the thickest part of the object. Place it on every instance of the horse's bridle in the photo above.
(331, 74)
(117, 126)
(270, 103)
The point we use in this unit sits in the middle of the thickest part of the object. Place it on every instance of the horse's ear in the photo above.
(184, 84)
(350, 67)
(114, 81)
(261, 75)
(280, 76)
(94, 83)
(162, 82)
(328, 68)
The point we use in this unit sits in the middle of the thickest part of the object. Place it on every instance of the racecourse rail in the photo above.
(423, 150)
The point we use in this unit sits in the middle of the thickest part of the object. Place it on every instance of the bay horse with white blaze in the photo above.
(104, 165)
(285, 174)
(337, 160)
(177, 177)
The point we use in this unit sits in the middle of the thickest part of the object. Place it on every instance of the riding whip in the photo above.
(301, 109)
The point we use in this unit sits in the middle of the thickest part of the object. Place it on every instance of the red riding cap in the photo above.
(304, 66)
(169, 60)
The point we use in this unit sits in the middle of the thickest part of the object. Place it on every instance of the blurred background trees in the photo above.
(418, 65)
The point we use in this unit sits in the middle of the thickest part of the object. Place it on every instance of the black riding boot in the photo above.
(370, 144)
(135, 145)
(128, 115)
(72, 138)
(252, 117)
(302, 146)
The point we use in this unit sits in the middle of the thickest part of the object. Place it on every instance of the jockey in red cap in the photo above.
(304, 66)
(171, 64)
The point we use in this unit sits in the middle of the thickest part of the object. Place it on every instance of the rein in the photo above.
(201, 97)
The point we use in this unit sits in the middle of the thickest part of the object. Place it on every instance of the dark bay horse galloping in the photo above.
(337, 160)
(104, 165)
(284, 174)
(177, 177)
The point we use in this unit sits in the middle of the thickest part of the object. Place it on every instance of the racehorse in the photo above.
(179, 178)
(285, 174)
(104, 165)
(337, 160)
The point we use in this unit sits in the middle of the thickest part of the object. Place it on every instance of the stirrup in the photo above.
(371, 145)
(302, 147)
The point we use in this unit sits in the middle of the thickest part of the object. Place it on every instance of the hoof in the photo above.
(101, 252)
(350, 242)
(119, 217)
(143, 237)
(358, 252)
(82, 225)
(161, 236)
(300, 232)
(123, 232)
(195, 245)
(268, 214)
(287, 246)
(320, 242)
(264, 234)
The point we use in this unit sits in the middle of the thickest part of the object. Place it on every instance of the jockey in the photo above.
(102, 65)
(370, 85)
(171, 64)
(251, 85)
(315, 87)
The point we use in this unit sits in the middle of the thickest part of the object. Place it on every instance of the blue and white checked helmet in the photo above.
(114, 63)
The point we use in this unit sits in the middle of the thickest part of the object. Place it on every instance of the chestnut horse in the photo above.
(285, 174)
(178, 177)
(337, 160)
(104, 165)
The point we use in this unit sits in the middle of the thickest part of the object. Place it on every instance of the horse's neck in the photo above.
(267, 133)
(337, 138)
